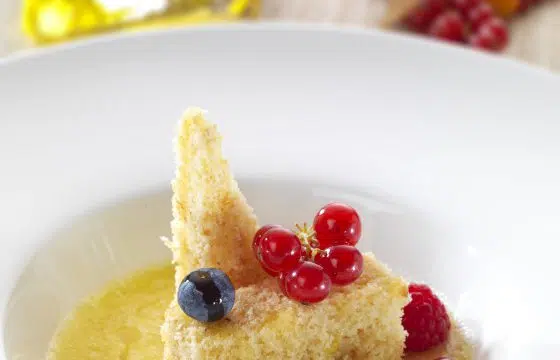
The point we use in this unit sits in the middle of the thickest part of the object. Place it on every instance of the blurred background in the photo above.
(528, 30)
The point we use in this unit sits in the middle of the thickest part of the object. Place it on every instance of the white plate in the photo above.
(453, 155)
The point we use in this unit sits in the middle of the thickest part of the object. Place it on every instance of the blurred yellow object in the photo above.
(47, 21)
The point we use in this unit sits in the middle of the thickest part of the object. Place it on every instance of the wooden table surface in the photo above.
(535, 38)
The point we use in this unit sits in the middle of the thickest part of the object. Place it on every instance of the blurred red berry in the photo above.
(448, 26)
(423, 15)
(483, 41)
(464, 6)
(479, 15)
(499, 29)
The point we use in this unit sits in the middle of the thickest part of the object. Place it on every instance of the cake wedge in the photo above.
(213, 226)
(212, 223)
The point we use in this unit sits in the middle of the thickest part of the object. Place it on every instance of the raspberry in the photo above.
(425, 319)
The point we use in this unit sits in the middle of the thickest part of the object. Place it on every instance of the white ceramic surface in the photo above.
(452, 155)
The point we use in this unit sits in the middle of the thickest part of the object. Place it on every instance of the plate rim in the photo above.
(37, 54)
(470, 58)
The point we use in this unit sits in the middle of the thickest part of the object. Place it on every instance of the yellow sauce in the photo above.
(122, 323)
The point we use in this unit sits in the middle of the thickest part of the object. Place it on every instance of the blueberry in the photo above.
(206, 295)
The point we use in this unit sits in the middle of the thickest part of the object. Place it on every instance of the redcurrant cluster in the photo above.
(308, 261)
(463, 21)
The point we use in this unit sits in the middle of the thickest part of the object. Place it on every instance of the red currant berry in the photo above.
(483, 40)
(307, 283)
(258, 237)
(421, 17)
(499, 29)
(464, 6)
(256, 246)
(280, 250)
(337, 224)
(448, 26)
(343, 263)
(479, 15)
(269, 271)
(282, 283)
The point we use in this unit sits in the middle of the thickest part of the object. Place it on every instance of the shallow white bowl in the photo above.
(452, 157)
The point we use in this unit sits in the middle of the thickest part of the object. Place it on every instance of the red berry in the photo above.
(425, 319)
(269, 271)
(337, 224)
(343, 263)
(483, 40)
(258, 236)
(479, 15)
(421, 17)
(415, 287)
(448, 26)
(256, 246)
(307, 283)
(280, 250)
(281, 283)
(499, 29)
(464, 6)
(491, 35)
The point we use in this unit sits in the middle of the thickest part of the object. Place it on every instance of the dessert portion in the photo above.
(358, 321)
(243, 292)
(123, 322)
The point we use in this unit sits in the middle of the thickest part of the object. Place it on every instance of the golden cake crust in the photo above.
(359, 321)
(212, 225)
